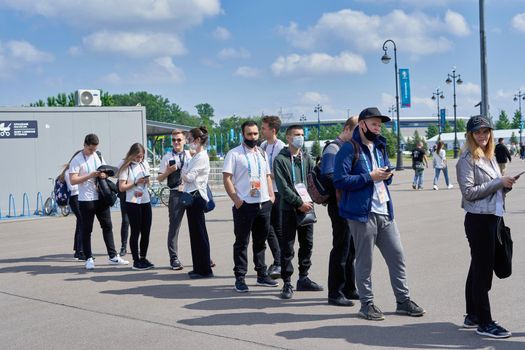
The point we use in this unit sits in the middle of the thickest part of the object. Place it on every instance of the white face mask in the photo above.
(193, 147)
(298, 141)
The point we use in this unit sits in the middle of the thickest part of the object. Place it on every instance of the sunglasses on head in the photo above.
(176, 140)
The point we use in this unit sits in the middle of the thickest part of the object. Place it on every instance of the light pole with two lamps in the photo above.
(455, 79)
(518, 97)
(386, 59)
(436, 96)
(318, 109)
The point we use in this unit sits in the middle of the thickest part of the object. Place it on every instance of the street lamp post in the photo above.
(386, 59)
(518, 97)
(318, 109)
(391, 110)
(436, 96)
(453, 78)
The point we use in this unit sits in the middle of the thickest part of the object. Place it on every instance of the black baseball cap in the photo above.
(477, 122)
(372, 112)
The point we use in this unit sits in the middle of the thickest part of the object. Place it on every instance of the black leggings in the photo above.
(140, 222)
(481, 234)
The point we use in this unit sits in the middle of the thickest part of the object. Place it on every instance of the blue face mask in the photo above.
(298, 141)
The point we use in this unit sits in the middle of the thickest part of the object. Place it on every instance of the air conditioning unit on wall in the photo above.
(88, 98)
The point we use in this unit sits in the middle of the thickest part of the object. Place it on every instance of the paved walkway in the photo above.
(49, 301)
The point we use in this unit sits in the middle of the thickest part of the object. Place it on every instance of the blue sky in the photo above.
(262, 56)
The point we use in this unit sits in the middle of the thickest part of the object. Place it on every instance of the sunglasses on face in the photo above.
(176, 140)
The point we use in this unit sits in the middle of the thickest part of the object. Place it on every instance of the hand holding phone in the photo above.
(518, 176)
(390, 169)
(172, 162)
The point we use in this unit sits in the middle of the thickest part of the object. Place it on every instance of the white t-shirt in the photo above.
(72, 188)
(377, 206)
(139, 193)
(178, 157)
(272, 150)
(236, 163)
(83, 165)
(439, 159)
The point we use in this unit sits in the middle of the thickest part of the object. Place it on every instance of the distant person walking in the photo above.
(439, 163)
(483, 192)
(419, 163)
(502, 155)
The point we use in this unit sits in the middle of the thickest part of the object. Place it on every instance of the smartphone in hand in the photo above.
(390, 169)
(518, 176)
(172, 162)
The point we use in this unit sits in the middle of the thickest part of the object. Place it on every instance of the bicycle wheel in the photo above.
(65, 210)
(153, 198)
(49, 205)
(165, 195)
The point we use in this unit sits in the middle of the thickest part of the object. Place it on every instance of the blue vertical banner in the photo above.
(222, 144)
(404, 82)
(240, 137)
(306, 133)
(394, 126)
(442, 119)
(232, 135)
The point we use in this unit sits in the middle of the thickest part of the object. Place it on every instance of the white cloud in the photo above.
(318, 64)
(518, 22)
(469, 89)
(74, 51)
(112, 78)
(247, 72)
(311, 98)
(135, 44)
(166, 67)
(16, 55)
(231, 53)
(221, 33)
(425, 101)
(95, 13)
(417, 33)
(456, 23)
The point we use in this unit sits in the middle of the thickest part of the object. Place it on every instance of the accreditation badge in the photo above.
(255, 187)
(303, 192)
(382, 193)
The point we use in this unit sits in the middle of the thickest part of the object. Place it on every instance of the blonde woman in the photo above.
(134, 180)
(483, 198)
(440, 165)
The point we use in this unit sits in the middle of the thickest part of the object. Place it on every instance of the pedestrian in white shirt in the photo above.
(247, 180)
(83, 172)
(195, 177)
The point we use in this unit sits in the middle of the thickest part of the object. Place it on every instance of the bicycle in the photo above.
(51, 206)
(159, 192)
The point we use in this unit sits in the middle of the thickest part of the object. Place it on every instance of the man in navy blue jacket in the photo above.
(367, 206)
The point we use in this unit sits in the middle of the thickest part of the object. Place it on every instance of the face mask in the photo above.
(298, 141)
(193, 147)
(369, 134)
(250, 143)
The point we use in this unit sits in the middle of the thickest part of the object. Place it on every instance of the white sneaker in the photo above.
(450, 186)
(435, 187)
(117, 260)
(90, 264)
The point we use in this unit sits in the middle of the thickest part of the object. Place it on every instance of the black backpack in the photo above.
(318, 189)
(61, 191)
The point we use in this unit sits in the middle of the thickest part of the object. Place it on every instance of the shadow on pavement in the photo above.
(253, 303)
(257, 318)
(150, 275)
(439, 335)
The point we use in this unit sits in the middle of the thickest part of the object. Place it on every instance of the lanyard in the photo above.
(293, 170)
(87, 163)
(256, 160)
(132, 171)
(182, 156)
(378, 159)
(271, 154)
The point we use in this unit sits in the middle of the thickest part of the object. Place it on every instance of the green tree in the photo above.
(213, 154)
(513, 138)
(432, 131)
(516, 120)
(503, 121)
(461, 125)
(316, 149)
(205, 111)
(448, 127)
(414, 140)
(106, 99)
(391, 140)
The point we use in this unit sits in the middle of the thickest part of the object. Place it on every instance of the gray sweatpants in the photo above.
(380, 231)
(176, 212)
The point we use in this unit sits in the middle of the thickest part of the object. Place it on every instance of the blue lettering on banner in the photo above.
(442, 118)
(404, 82)
(18, 129)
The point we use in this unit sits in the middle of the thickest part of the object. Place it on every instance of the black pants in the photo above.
(88, 211)
(275, 233)
(481, 234)
(341, 274)
(254, 218)
(124, 225)
(77, 243)
(176, 212)
(305, 235)
(200, 243)
(140, 223)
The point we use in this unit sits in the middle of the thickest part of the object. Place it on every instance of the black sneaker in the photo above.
(123, 251)
(470, 321)
(352, 295)
(340, 301)
(80, 256)
(371, 312)
(195, 275)
(147, 263)
(266, 281)
(274, 271)
(240, 285)
(176, 264)
(493, 330)
(414, 187)
(307, 285)
(140, 265)
(408, 307)
(287, 291)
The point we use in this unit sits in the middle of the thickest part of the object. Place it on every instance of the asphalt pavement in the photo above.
(49, 301)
